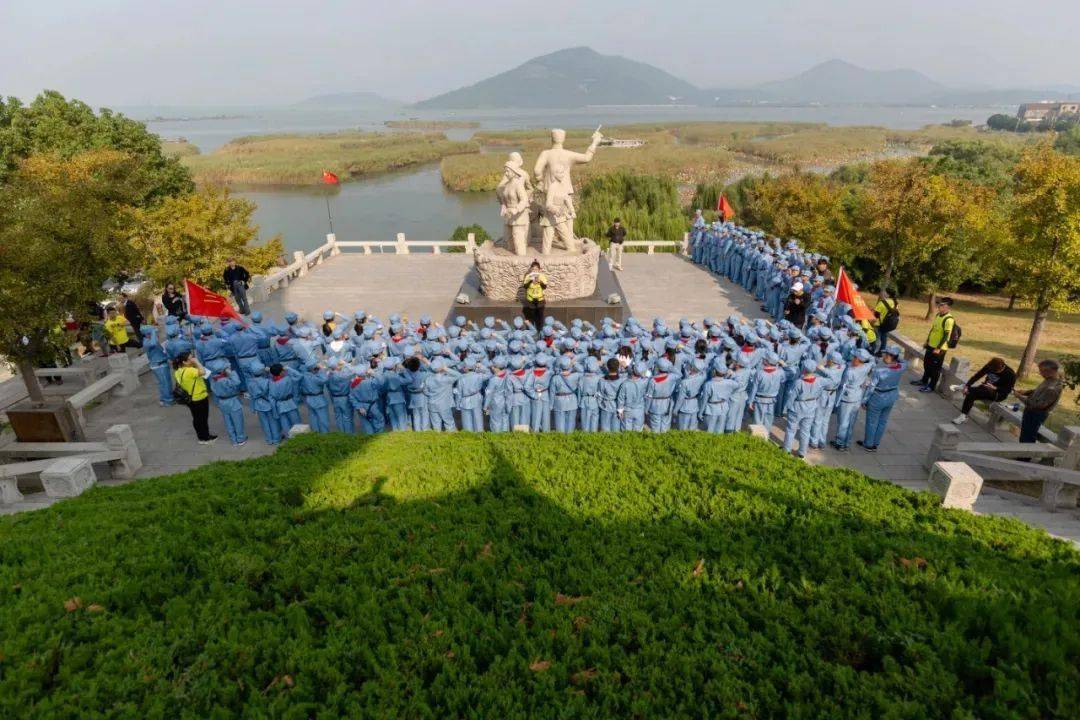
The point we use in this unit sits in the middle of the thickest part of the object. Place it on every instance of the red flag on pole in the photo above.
(208, 304)
(724, 208)
(330, 178)
(846, 293)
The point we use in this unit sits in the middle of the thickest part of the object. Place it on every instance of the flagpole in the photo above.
(328, 215)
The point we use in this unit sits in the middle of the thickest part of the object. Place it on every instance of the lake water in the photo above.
(415, 202)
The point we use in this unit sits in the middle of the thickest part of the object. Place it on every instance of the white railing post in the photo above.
(946, 439)
(649, 249)
(298, 258)
(470, 243)
(331, 240)
(402, 247)
(684, 248)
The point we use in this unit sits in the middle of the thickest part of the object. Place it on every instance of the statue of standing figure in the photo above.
(552, 173)
(515, 193)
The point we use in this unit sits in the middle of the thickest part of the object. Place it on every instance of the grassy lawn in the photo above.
(425, 575)
(990, 329)
(301, 159)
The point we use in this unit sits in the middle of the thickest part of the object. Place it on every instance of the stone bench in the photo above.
(1002, 414)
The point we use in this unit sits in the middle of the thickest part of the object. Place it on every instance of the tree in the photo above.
(193, 236)
(461, 234)
(1046, 224)
(1069, 142)
(804, 206)
(923, 229)
(53, 124)
(974, 160)
(64, 224)
(999, 121)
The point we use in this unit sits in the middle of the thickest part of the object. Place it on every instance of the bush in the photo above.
(461, 234)
(648, 207)
(422, 575)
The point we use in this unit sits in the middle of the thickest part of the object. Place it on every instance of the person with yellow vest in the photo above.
(534, 282)
(886, 319)
(937, 342)
(190, 378)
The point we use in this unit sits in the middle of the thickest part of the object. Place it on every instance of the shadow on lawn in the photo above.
(497, 600)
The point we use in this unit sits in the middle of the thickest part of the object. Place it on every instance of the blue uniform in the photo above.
(881, 396)
(687, 406)
(415, 383)
(764, 391)
(396, 400)
(439, 389)
(536, 386)
(365, 398)
(607, 391)
(631, 402)
(263, 407)
(159, 366)
(659, 396)
(742, 377)
(469, 398)
(850, 396)
(802, 409)
(339, 383)
(283, 389)
(832, 373)
(226, 389)
(589, 401)
(498, 395)
(313, 387)
(715, 402)
(564, 400)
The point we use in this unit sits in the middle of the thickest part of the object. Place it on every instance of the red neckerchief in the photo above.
(895, 366)
(548, 341)
(539, 372)
(748, 348)
(769, 369)
(356, 381)
(397, 338)
(633, 341)
(715, 340)
(520, 373)
(502, 373)
(810, 380)
(660, 378)
(282, 340)
(221, 376)
(276, 378)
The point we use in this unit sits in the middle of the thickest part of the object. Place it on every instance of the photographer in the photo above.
(534, 283)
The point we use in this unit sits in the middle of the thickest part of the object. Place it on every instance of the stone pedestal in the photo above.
(570, 275)
(68, 477)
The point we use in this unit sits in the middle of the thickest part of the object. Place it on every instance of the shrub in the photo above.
(648, 207)
(423, 575)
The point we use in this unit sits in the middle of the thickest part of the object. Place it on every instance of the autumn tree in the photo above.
(193, 236)
(64, 224)
(1046, 224)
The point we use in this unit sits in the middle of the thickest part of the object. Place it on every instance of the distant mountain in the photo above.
(362, 100)
(571, 78)
(836, 82)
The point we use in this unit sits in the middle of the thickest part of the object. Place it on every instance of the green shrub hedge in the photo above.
(430, 576)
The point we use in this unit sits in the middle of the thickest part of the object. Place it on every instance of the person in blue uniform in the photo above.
(742, 376)
(439, 389)
(833, 372)
(631, 398)
(802, 408)
(715, 401)
(313, 390)
(259, 393)
(283, 383)
(520, 410)
(765, 389)
(687, 395)
(394, 394)
(881, 395)
(850, 396)
(498, 395)
(159, 364)
(469, 397)
(225, 388)
(536, 385)
(588, 395)
(659, 396)
(564, 396)
(607, 397)
(338, 383)
(364, 396)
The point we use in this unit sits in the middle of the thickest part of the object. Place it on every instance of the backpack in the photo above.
(892, 317)
(954, 335)
(182, 396)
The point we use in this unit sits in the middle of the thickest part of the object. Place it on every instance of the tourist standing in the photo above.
(236, 279)
(134, 317)
(795, 307)
(937, 342)
(534, 282)
(998, 380)
(1039, 402)
(881, 395)
(191, 377)
(116, 331)
(886, 319)
(616, 236)
(173, 302)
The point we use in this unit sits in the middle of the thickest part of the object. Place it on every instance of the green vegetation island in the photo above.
(431, 125)
(432, 575)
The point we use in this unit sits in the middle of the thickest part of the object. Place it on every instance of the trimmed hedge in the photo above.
(504, 576)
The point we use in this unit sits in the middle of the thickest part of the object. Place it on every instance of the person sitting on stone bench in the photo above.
(998, 380)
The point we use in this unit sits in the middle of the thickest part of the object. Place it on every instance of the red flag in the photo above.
(330, 178)
(846, 293)
(724, 208)
(208, 304)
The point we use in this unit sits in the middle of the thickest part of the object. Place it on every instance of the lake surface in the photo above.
(415, 202)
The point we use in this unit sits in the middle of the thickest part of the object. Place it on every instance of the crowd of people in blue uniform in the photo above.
(358, 374)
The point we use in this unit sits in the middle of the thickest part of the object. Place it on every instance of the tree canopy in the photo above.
(53, 124)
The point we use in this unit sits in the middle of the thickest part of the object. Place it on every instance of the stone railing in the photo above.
(681, 246)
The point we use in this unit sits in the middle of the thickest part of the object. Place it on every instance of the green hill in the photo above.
(423, 575)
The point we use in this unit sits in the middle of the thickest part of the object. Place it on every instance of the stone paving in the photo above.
(419, 284)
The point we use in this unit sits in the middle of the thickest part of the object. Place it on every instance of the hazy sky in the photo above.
(210, 52)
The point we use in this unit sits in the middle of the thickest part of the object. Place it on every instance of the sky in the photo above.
(238, 52)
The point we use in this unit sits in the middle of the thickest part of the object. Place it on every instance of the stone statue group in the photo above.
(542, 210)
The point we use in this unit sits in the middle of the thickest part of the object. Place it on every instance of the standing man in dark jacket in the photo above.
(236, 279)
(173, 302)
(616, 236)
(135, 317)
(998, 380)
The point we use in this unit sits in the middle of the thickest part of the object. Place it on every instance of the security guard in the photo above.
(937, 342)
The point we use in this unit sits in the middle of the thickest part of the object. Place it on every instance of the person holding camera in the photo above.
(534, 282)
(616, 236)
